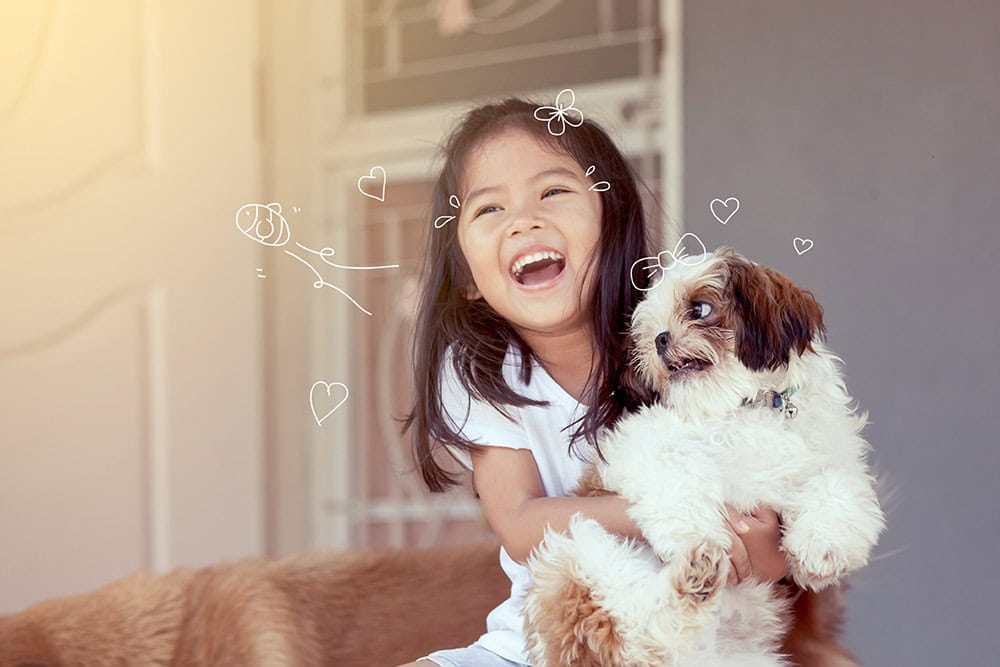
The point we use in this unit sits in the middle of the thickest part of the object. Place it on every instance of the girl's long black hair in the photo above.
(478, 336)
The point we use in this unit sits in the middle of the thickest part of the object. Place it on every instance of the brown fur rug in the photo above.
(365, 609)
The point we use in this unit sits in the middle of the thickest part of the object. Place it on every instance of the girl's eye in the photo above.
(700, 310)
(554, 191)
(486, 209)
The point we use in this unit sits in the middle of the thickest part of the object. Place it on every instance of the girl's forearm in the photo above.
(525, 528)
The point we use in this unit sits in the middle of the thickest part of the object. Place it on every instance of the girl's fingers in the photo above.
(739, 559)
(766, 515)
(736, 521)
(738, 552)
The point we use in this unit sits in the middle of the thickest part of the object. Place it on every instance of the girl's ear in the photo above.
(464, 282)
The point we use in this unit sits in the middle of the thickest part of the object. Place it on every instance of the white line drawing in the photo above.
(443, 220)
(327, 251)
(725, 207)
(260, 273)
(320, 283)
(802, 246)
(263, 223)
(599, 186)
(263, 231)
(327, 386)
(666, 260)
(296, 209)
(720, 439)
(379, 181)
(560, 115)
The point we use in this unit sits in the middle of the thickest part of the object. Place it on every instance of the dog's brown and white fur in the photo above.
(708, 339)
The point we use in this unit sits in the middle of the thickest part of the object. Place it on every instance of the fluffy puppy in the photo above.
(349, 610)
(748, 408)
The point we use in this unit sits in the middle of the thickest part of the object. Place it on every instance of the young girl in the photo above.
(520, 347)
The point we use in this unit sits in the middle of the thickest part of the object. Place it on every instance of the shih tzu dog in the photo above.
(748, 407)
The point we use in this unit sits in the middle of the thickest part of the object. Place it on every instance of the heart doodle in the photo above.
(379, 183)
(802, 245)
(725, 208)
(329, 395)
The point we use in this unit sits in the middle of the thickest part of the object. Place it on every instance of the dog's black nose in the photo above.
(662, 341)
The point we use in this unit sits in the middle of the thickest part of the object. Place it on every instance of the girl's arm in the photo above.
(517, 509)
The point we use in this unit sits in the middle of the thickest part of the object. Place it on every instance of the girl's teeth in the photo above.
(535, 257)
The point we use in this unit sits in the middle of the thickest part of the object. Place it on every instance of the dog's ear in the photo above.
(771, 315)
(636, 392)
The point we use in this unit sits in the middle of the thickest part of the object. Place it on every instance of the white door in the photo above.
(130, 367)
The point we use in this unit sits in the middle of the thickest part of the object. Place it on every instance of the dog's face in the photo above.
(709, 332)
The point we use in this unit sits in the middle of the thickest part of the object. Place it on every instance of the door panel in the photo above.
(129, 304)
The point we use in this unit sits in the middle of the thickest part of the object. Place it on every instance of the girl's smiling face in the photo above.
(528, 229)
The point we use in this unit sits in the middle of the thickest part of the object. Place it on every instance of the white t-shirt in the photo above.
(537, 429)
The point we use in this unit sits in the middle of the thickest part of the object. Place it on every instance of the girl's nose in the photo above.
(523, 220)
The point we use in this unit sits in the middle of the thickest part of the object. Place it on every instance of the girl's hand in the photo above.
(756, 546)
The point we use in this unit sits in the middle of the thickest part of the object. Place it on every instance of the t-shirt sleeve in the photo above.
(476, 420)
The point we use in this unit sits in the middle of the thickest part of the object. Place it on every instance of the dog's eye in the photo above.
(700, 310)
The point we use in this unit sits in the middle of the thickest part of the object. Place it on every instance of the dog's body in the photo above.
(711, 340)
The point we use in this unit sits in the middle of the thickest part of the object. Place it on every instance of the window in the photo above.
(392, 84)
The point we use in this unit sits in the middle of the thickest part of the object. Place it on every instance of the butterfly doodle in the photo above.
(559, 116)
(654, 268)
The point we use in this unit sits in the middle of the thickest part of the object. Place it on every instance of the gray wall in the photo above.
(873, 128)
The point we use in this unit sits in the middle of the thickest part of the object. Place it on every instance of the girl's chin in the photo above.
(544, 319)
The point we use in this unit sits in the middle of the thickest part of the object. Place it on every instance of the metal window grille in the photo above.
(392, 82)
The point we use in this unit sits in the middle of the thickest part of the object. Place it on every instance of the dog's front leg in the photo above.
(660, 465)
(832, 528)
(690, 543)
(678, 507)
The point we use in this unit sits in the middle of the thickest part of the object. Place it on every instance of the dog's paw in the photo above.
(700, 573)
(815, 560)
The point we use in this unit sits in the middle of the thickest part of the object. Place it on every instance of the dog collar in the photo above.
(776, 400)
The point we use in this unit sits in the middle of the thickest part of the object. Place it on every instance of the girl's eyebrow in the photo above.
(554, 171)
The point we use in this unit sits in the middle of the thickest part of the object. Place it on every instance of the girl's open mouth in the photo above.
(539, 269)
